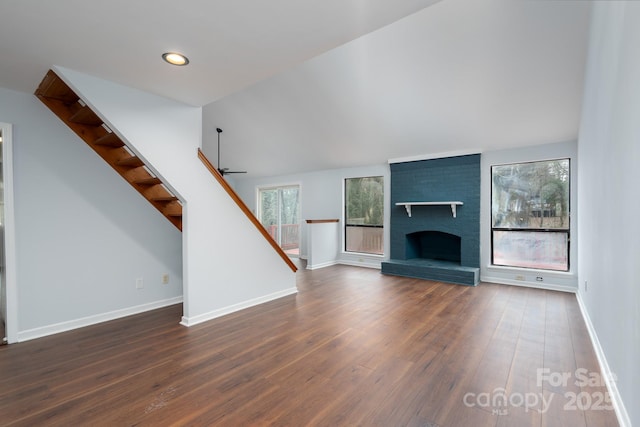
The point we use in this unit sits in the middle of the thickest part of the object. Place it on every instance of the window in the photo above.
(279, 213)
(364, 213)
(530, 215)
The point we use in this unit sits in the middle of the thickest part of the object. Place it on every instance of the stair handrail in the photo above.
(244, 208)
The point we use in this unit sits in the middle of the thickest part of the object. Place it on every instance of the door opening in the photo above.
(8, 294)
(3, 292)
(279, 213)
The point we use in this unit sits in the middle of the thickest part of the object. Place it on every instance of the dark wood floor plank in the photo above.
(527, 359)
(353, 347)
(593, 390)
(559, 354)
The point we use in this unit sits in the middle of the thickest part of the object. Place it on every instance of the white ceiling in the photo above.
(231, 43)
(459, 76)
(298, 86)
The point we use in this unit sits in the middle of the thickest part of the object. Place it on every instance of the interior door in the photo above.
(3, 292)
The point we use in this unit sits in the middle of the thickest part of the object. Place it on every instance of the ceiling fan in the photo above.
(224, 171)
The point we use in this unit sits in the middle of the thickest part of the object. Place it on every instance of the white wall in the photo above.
(323, 244)
(458, 75)
(321, 198)
(227, 262)
(551, 280)
(609, 230)
(83, 235)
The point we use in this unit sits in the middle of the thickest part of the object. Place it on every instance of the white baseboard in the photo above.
(616, 399)
(376, 264)
(69, 325)
(194, 320)
(365, 263)
(528, 284)
(322, 265)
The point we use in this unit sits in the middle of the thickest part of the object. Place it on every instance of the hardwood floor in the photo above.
(353, 347)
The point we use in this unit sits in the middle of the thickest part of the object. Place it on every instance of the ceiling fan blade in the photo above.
(226, 171)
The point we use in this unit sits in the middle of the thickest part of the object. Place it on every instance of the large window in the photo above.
(279, 213)
(364, 213)
(530, 215)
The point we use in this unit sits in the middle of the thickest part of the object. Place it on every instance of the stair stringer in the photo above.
(227, 264)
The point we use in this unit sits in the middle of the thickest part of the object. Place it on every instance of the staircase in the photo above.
(68, 106)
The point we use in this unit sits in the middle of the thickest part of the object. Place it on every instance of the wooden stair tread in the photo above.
(147, 181)
(132, 162)
(163, 198)
(109, 140)
(86, 116)
(80, 118)
(53, 87)
(173, 209)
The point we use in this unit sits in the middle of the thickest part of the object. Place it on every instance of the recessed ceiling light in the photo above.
(175, 58)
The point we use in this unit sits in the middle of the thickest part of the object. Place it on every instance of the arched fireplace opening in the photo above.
(433, 245)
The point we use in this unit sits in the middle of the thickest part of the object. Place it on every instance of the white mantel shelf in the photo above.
(408, 205)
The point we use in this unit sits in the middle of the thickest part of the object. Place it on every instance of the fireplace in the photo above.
(438, 236)
(435, 245)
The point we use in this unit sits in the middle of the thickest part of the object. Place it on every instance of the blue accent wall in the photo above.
(447, 179)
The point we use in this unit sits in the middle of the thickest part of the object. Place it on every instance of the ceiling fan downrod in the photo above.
(224, 171)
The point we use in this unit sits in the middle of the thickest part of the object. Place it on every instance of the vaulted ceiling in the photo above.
(231, 43)
(301, 85)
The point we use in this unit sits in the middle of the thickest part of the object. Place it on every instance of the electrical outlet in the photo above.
(586, 286)
(165, 279)
(521, 278)
(139, 283)
(539, 279)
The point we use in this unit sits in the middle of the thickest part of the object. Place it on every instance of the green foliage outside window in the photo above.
(289, 205)
(364, 200)
(531, 195)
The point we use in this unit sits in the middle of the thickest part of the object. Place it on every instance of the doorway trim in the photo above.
(11, 287)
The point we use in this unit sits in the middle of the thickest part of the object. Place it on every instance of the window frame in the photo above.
(565, 230)
(346, 216)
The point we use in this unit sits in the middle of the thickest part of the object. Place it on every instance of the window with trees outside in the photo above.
(279, 213)
(364, 214)
(530, 215)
